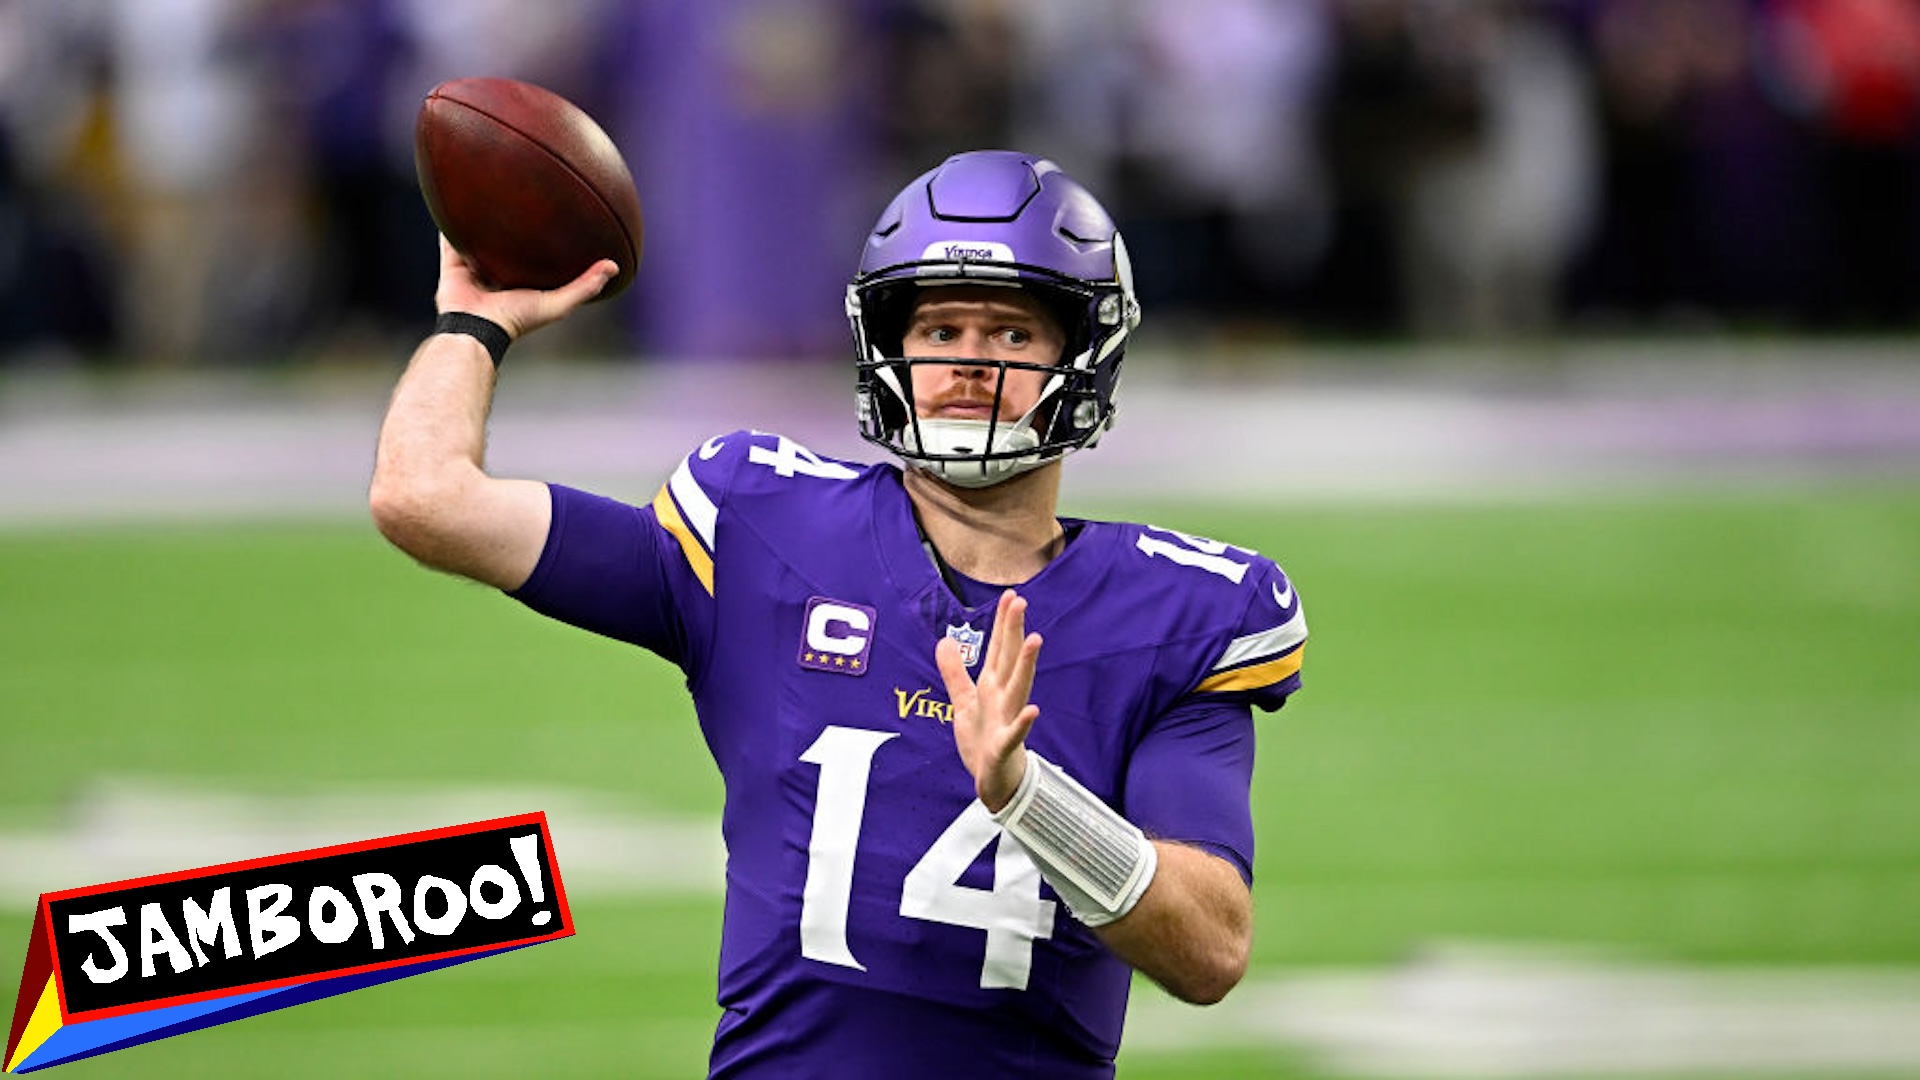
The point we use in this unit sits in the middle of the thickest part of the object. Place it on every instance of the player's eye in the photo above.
(1014, 335)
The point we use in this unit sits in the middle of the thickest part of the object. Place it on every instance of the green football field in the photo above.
(1689, 725)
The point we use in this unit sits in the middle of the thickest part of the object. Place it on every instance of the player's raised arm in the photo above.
(431, 495)
(1180, 914)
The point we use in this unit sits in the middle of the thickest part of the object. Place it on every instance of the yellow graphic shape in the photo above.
(40, 1026)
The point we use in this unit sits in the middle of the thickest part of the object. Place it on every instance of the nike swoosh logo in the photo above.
(1284, 599)
(710, 448)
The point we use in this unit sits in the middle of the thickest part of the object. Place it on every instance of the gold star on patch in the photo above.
(856, 664)
(839, 661)
(808, 658)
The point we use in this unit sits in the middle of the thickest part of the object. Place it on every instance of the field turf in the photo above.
(1685, 724)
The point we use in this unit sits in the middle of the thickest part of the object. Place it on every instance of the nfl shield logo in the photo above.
(970, 641)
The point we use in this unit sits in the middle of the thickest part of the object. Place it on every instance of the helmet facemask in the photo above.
(1073, 407)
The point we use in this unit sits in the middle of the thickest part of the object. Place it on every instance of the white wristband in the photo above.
(1099, 862)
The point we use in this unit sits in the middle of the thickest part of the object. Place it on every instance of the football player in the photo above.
(981, 761)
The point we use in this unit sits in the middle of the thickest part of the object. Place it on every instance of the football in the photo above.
(525, 184)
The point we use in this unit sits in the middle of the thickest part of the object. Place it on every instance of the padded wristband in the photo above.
(1099, 862)
(490, 333)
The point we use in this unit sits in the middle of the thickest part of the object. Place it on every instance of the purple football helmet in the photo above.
(993, 217)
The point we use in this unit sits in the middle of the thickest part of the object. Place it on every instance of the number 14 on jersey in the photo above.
(1012, 912)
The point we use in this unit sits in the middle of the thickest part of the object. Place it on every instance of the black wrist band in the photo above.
(490, 333)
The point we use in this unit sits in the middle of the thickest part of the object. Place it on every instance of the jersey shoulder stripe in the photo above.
(748, 473)
(1256, 676)
(699, 508)
(691, 515)
(1265, 653)
(698, 557)
(1265, 643)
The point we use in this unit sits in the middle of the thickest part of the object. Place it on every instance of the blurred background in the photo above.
(199, 182)
(1565, 352)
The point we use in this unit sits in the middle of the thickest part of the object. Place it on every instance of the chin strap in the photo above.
(957, 442)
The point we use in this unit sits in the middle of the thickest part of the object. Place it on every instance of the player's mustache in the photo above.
(966, 400)
(974, 388)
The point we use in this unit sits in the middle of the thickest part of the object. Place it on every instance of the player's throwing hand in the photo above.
(518, 311)
(991, 716)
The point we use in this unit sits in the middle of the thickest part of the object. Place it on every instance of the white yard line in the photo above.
(123, 828)
(1508, 1012)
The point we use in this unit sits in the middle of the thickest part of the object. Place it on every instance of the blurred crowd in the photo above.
(231, 181)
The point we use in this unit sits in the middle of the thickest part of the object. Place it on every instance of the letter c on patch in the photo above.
(838, 629)
(837, 636)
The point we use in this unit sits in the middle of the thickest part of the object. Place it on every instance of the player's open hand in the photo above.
(991, 716)
(518, 311)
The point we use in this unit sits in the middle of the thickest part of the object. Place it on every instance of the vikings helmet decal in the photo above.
(993, 217)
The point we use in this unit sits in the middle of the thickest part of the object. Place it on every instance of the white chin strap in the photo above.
(957, 440)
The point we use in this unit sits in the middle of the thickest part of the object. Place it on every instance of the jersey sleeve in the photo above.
(639, 574)
(1260, 662)
(1189, 779)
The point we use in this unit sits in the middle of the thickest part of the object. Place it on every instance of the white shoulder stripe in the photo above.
(1265, 643)
(699, 510)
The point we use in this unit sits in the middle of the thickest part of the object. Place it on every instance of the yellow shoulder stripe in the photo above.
(1252, 678)
(670, 520)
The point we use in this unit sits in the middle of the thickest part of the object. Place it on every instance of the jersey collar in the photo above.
(1065, 581)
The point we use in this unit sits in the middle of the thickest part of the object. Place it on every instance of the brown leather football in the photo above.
(525, 184)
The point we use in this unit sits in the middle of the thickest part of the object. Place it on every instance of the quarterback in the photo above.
(981, 761)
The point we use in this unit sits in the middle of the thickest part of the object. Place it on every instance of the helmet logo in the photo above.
(968, 251)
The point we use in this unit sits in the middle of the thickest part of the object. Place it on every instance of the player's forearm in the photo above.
(1192, 930)
(430, 493)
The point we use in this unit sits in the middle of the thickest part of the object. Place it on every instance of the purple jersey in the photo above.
(877, 921)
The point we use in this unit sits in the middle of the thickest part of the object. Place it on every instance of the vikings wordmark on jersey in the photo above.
(875, 914)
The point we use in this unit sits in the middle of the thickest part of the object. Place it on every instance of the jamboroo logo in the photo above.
(967, 251)
(116, 965)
